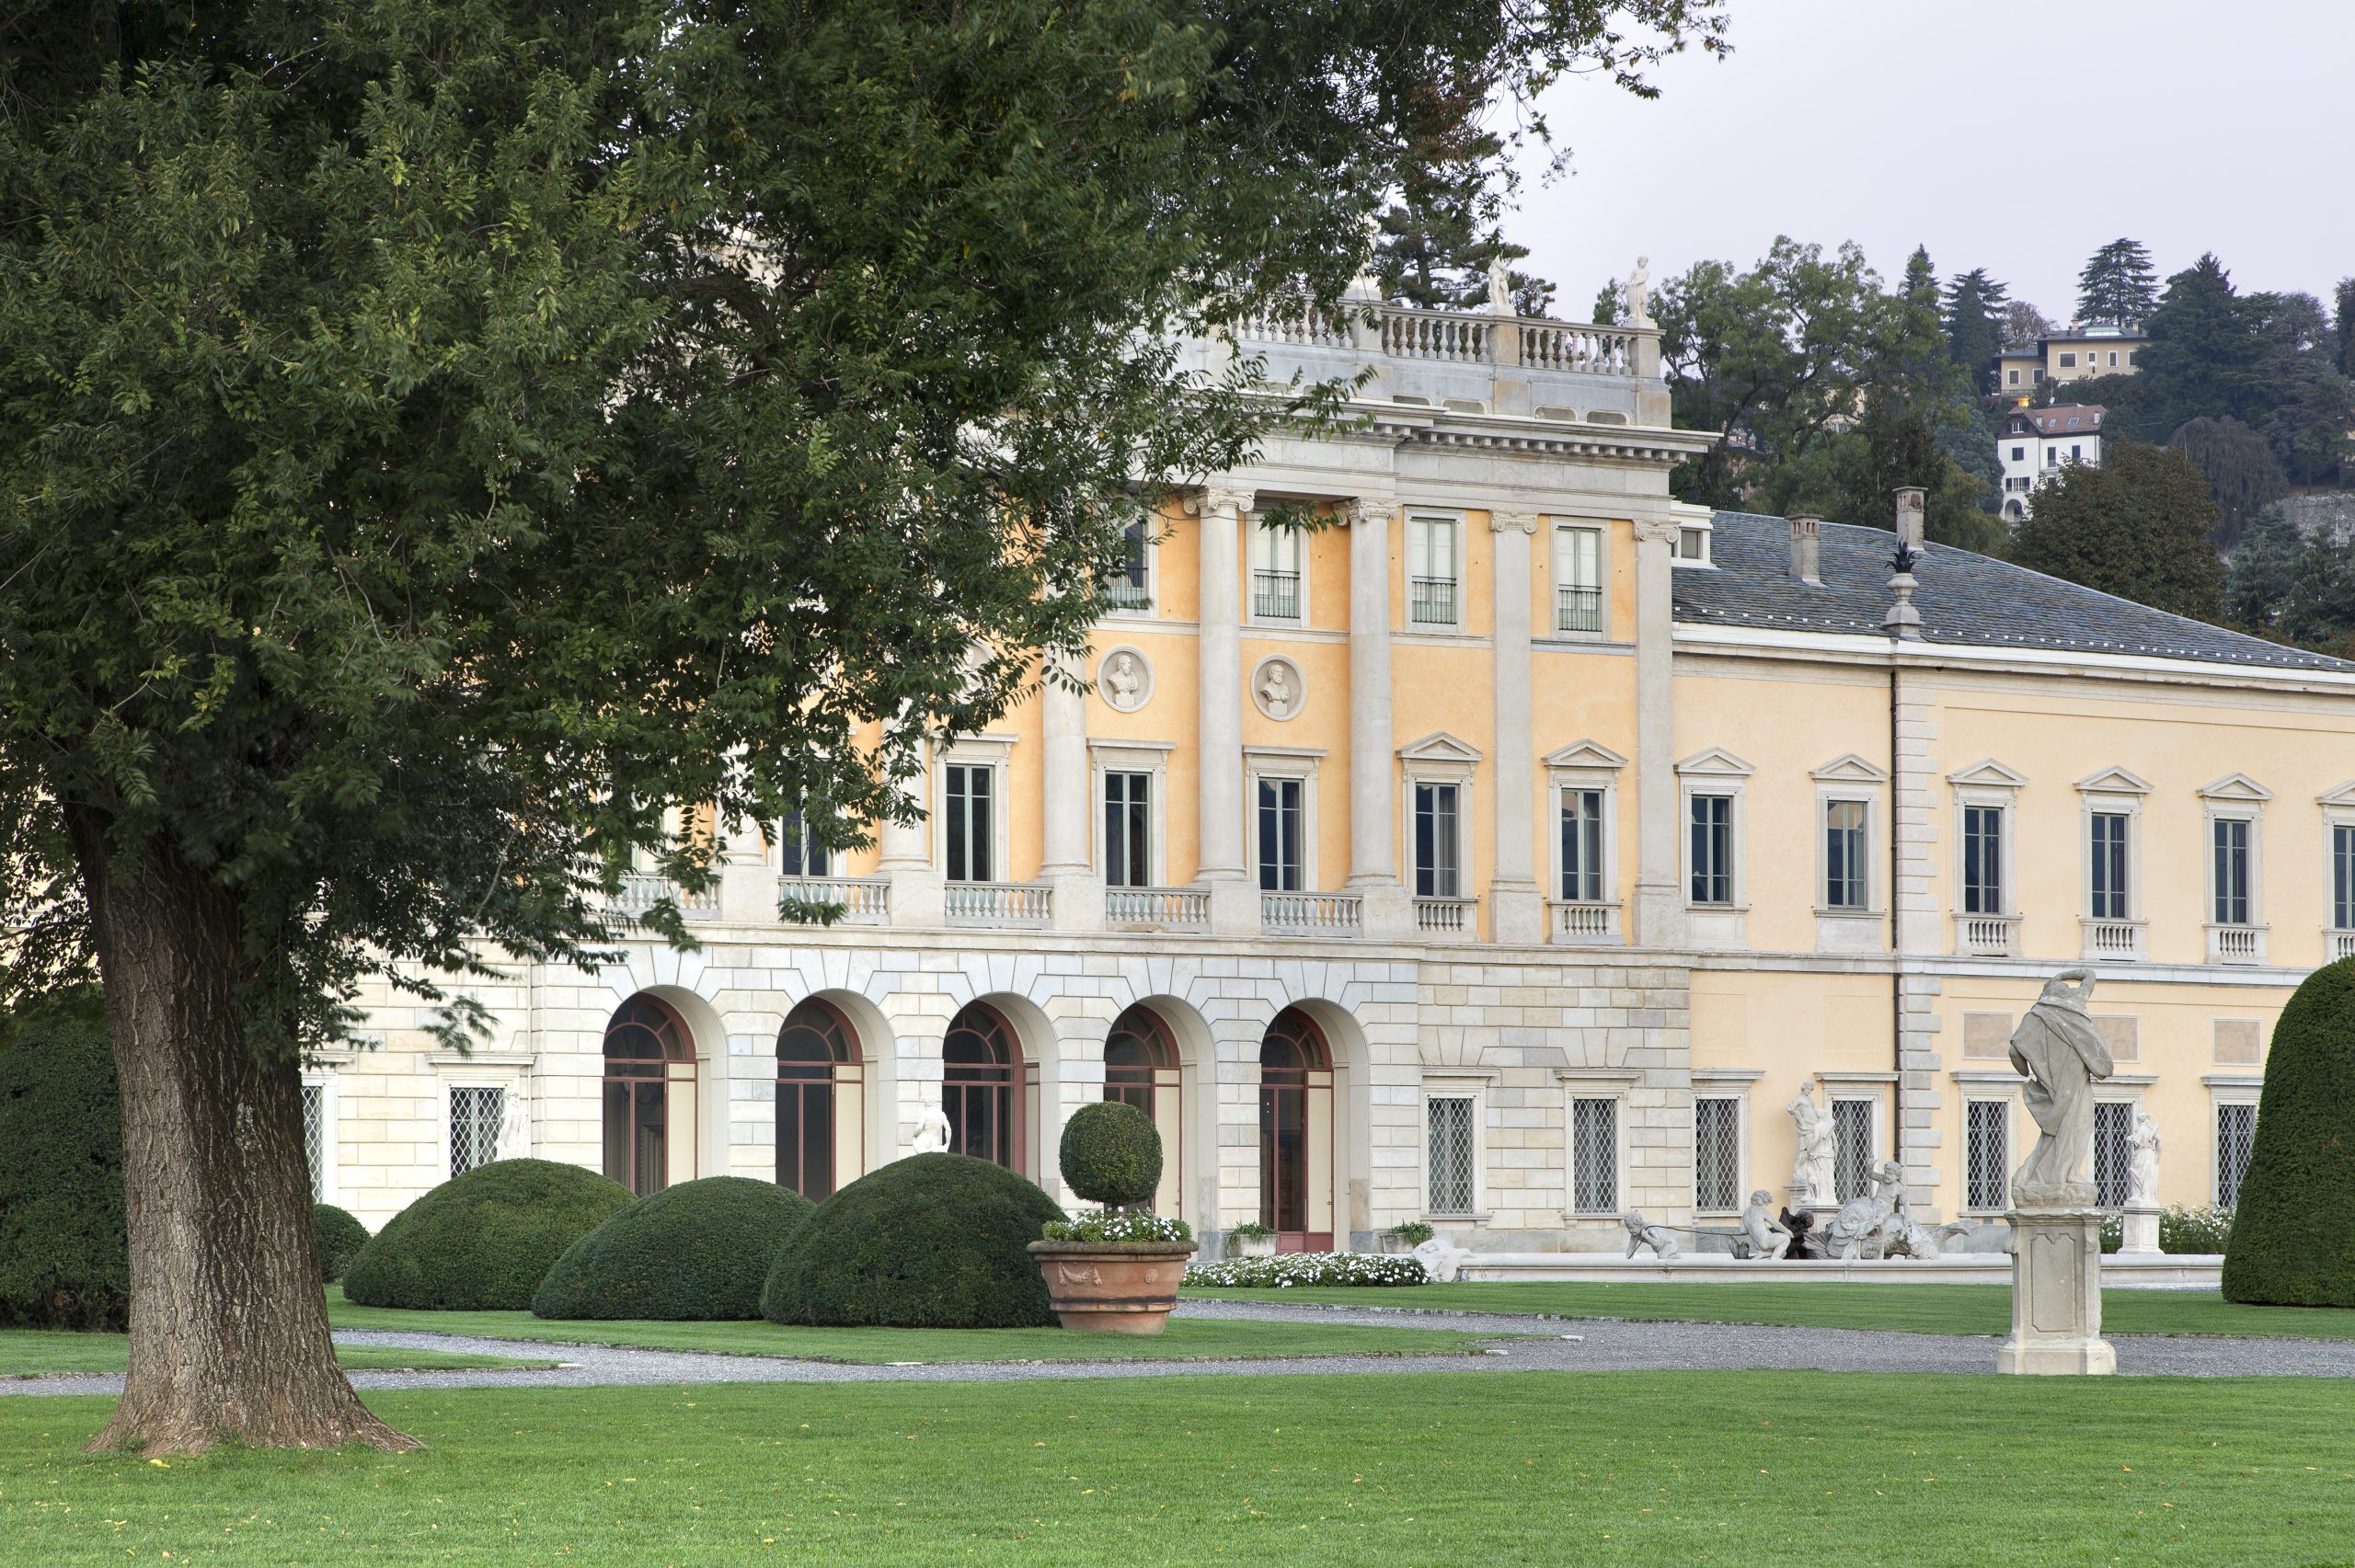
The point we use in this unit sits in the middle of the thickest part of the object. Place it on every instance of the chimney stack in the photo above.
(1910, 503)
(1807, 549)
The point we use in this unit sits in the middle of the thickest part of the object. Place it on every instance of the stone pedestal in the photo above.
(2142, 1231)
(2056, 1295)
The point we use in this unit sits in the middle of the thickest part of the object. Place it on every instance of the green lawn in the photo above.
(33, 1353)
(1427, 1467)
(1186, 1339)
(1912, 1309)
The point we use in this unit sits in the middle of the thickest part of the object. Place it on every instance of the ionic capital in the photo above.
(1230, 499)
(1375, 509)
(1656, 530)
(1504, 521)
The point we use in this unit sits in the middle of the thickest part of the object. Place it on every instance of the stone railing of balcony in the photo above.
(1275, 596)
(2237, 945)
(2337, 945)
(1312, 914)
(997, 903)
(1430, 602)
(1575, 922)
(864, 901)
(1994, 936)
(1157, 908)
(1449, 920)
(1127, 594)
(2113, 941)
(1578, 609)
(641, 890)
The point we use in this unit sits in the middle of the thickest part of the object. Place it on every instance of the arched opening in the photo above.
(1297, 1133)
(820, 1102)
(1140, 1068)
(981, 1084)
(649, 1096)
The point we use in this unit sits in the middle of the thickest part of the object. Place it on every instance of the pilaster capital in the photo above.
(1375, 509)
(1509, 522)
(1229, 498)
(1656, 530)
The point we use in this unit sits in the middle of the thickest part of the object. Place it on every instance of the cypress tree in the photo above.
(2293, 1242)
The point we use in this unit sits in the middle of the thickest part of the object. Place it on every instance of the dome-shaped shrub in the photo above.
(1111, 1154)
(64, 1262)
(2293, 1242)
(340, 1238)
(935, 1240)
(484, 1239)
(699, 1251)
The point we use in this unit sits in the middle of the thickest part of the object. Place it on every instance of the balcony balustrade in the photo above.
(1312, 914)
(1455, 920)
(1130, 594)
(2339, 945)
(1578, 609)
(641, 890)
(1430, 602)
(997, 903)
(2114, 940)
(2237, 945)
(863, 900)
(1988, 936)
(1582, 922)
(1275, 596)
(1157, 908)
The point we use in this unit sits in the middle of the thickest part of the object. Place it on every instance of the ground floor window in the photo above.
(2113, 1155)
(980, 1084)
(2236, 1135)
(475, 1116)
(819, 1109)
(314, 1138)
(649, 1096)
(1987, 1152)
(1852, 1149)
(1297, 1133)
(1716, 1154)
(1594, 1155)
(1451, 1124)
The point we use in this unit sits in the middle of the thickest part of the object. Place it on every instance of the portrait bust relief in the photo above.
(1278, 689)
(1125, 680)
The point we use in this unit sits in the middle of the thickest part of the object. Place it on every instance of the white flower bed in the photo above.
(1289, 1269)
(1119, 1225)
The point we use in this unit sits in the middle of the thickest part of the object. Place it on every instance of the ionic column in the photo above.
(1077, 900)
(1233, 904)
(906, 857)
(1374, 814)
(1658, 915)
(1516, 911)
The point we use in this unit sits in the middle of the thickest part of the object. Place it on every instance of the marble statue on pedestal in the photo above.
(1501, 288)
(2057, 1047)
(1767, 1236)
(933, 1133)
(1642, 1233)
(1635, 293)
(2142, 1162)
(1811, 1167)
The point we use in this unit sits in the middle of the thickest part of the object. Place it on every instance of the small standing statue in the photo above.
(2057, 1047)
(2142, 1162)
(1642, 1233)
(933, 1133)
(1768, 1236)
(1501, 288)
(1811, 1166)
(1637, 293)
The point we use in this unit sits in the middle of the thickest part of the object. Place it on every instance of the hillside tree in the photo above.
(2119, 284)
(2141, 525)
(1971, 315)
(2238, 467)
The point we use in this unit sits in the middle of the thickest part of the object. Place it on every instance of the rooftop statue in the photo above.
(2057, 1046)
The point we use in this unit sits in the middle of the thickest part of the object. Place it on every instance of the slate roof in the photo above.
(1965, 600)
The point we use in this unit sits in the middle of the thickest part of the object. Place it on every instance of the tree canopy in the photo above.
(1971, 315)
(2119, 284)
(2238, 466)
(2141, 526)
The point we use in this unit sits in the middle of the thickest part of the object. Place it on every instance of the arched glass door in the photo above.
(981, 1068)
(1296, 1134)
(1140, 1068)
(649, 1097)
(820, 1112)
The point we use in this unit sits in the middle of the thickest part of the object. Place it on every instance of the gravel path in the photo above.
(1584, 1344)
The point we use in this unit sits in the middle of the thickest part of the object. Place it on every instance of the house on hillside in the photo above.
(2074, 353)
(2034, 445)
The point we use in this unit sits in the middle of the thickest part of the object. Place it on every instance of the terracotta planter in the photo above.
(1113, 1286)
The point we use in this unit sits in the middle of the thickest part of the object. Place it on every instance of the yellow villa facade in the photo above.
(1506, 850)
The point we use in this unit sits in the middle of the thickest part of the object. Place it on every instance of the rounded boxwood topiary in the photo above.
(935, 1240)
(64, 1260)
(700, 1251)
(1111, 1154)
(2293, 1242)
(483, 1240)
(340, 1238)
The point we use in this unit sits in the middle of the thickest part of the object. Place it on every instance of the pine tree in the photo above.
(1974, 327)
(2343, 327)
(2141, 526)
(1437, 240)
(2201, 359)
(2119, 285)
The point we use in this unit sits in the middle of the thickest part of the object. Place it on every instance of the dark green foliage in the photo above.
(2201, 359)
(699, 1251)
(2119, 284)
(483, 1240)
(340, 1238)
(2238, 466)
(935, 1240)
(2141, 526)
(1972, 317)
(2293, 1243)
(2299, 588)
(1111, 1154)
(63, 1262)
(2343, 327)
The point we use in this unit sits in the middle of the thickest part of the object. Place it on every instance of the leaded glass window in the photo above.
(1852, 1149)
(314, 1138)
(475, 1116)
(2113, 1155)
(2236, 1135)
(1987, 1153)
(1594, 1156)
(1716, 1154)
(1453, 1150)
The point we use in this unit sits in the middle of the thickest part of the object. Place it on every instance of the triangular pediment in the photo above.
(2114, 781)
(1850, 768)
(1585, 754)
(1716, 760)
(1988, 771)
(1439, 747)
(2236, 786)
(2343, 796)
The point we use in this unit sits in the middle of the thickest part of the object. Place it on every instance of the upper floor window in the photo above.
(1692, 544)
(1710, 819)
(1431, 570)
(1275, 572)
(1982, 859)
(1577, 580)
(971, 824)
(2113, 355)
(1132, 588)
(1582, 846)
(1280, 835)
(2229, 846)
(1128, 830)
(2019, 454)
(2012, 378)
(800, 852)
(1844, 876)
(2342, 877)
(1437, 873)
(2068, 361)
(2129, 355)
(2108, 878)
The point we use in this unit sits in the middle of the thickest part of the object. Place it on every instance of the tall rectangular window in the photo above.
(314, 1138)
(1577, 580)
(1982, 859)
(2236, 1136)
(1594, 1156)
(1275, 573)
(1844, 878)
(475, 1116)
(2229, 841)
(1128, 830)
(2108, 869)
(1437, 867)
(1132, 588)
(1280, 835)
(1453, 1150)
(1711, 821)
(2113, 1154)
(800, 852)
(1716, 1154)
(1852, 1149)
(972, 827)
(1987, 1152)
(2342, 877)
(1430, 571)
(1582, 846)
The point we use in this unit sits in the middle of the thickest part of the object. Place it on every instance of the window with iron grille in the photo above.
(2229, 839)
(1982, 859)
(1594, 1156)
(1430, 571)
(1454, 1149)
(1712, 826)
(1437, 865)
(1852, 1149)
(2342, 877)
(314, 1138)
(971, 829)
(1716, 1154)
(1987, 1137)
(1577, 580)
(1128, 830)
(2236, 1134)
(1130, 588)
(2113, 1155)
(2108, 865)
(1275, 573)
(475, 1116)
(1843, 854)
(1582, 846)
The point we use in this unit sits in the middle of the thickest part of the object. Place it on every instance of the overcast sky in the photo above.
(2012, 135)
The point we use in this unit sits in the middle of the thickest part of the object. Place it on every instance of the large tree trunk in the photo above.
(228, 1320)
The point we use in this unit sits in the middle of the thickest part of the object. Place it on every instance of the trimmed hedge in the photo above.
(340, 1238)
(65, 1257)
(2293, 1242)
(700, 1251)
(483, 1240)
(935, 1240)
(1111, 1154)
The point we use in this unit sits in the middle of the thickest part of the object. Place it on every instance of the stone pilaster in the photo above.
(906, 857)
(1065, 865)
(1233, 906)
(1917, 926)
(1516, 911)
(1373, 816)
(1658, 915)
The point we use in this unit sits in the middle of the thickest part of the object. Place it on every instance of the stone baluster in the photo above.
(1373, 816)
(1516, 912)
(1234, 906)
(1658, 904)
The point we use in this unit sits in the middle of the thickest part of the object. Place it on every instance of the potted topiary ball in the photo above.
(1115, 1268)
